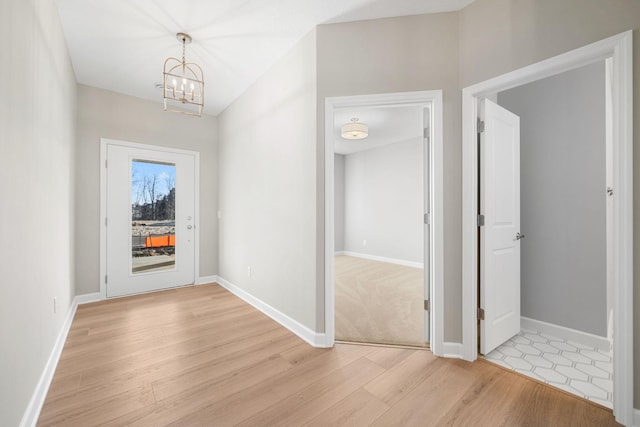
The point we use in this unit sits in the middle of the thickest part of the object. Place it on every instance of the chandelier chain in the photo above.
(184, 41)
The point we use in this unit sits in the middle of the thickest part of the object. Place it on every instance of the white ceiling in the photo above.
(387, 125)
(120, 45)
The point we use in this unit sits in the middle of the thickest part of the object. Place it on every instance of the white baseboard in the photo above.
(339, 253)
(88, 298)
(384, 259)
(206, 280)
(31, 414)
(452, 350)
(566, 333)
(314, 338)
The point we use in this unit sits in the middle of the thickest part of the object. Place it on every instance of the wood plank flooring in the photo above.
(199, 356)
(379, 302)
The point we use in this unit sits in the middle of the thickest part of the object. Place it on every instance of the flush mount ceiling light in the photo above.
(354, 130)
(183, 83)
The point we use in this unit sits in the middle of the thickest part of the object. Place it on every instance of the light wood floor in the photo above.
(199, 356)
(379, 302)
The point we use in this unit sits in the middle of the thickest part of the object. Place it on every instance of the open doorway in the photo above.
(563, 310)
(394, 178)
(614, 305)
(380, 235)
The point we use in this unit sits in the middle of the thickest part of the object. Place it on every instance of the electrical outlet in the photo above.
(248, 271)
(55, 305)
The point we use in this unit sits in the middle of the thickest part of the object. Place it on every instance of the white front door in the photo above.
(500, 236)
(150, 222)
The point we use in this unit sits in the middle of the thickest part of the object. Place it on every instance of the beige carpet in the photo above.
(378, 302)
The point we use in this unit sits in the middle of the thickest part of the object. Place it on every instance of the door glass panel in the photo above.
(153, 216)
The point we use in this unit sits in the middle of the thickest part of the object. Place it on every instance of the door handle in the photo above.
(189, 227)
(519, 236)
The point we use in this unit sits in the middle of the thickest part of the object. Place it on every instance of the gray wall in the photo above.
(338, 206)
(268, 186)
(279, 178)
(562, 158)
(384, 199)
(105, 114)
(498, 36)
(397, 55)
(37, 129)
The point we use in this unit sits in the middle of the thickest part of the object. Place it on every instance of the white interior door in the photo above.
(500, 236)
(150, 223)
(427, 208)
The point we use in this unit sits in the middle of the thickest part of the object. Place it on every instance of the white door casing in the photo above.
(120, 279)
(433, 100)
(500, 236)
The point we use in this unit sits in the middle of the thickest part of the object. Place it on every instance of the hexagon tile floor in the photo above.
(576, 368)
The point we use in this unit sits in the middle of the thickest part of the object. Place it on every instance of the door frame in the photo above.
(431, 99)
(617, 50)
(104, 144)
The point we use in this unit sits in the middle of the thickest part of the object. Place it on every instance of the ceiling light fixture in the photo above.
(183, 83)
(354, 130)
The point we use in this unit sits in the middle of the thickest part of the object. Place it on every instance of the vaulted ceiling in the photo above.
(120, 45)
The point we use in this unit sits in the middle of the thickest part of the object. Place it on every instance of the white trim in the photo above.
(206, 280)
(88, 298)
(314, 338)
(384, 259)
(104, 143)
(31, 414)
(619, 48)
(565, 333)
(452, 350)
(103, 215)
(196, 220)
(431, 98)
(339, 253)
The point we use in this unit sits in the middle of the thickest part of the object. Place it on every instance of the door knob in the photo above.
(519, 236)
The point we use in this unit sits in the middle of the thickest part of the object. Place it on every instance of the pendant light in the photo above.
(183, 83)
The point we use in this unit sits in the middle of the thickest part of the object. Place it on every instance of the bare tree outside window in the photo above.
(153, 212)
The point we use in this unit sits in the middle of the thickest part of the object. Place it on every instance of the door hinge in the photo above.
(480, 221)
(480, 313)
(426, 133)
(105, 279)
(105, 221)
(427, 218)
(105, 163)
(609, 191)
(480, 126)
(427, 305)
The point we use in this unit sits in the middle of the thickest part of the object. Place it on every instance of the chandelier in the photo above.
(183, 83)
